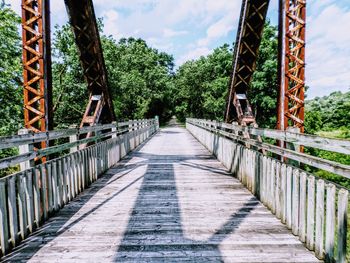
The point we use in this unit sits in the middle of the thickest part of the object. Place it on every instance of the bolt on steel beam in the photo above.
(292, 22)
(37, 74)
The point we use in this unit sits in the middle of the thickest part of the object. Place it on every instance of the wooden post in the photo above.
(25, 149)
(74, 138)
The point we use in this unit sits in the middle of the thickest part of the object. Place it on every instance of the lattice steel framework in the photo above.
(83, 22)
(291, 64)
(37, 65)
(251, 25)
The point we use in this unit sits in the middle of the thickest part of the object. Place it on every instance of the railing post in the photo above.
(74, 138)
(25, 149)
(114, 129)
(157, 122)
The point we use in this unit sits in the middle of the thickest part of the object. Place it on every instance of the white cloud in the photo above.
(193, 54)
(173, 33)
(327, 50)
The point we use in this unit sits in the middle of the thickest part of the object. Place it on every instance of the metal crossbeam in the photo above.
(84, 25)
(251, 24)
(292, 64)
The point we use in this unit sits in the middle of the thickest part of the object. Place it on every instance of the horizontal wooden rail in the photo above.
(313, 209)
(330, 166)
(322, 143)
(101, 132)
(28, 198)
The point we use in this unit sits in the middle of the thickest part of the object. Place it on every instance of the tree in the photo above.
(10, 72)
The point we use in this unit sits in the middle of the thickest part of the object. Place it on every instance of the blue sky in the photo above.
(191, 28)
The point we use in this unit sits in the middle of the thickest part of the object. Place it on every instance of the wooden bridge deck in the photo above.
(168, 201)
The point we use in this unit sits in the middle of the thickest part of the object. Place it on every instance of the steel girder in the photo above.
(291, 64)
(249, 34)
(37, 74)
(84, 25)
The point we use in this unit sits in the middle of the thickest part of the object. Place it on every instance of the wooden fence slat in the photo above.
(310, 218)
(319, 235)
(54, 179)
(22, 208)
(342, 225)
(330, 222)
(283, 193)
(37, 197)
(4, 235)
(302, 207)
(29, 199)
(44, 197)
(12, 209)
(295, 202)
(289, 198)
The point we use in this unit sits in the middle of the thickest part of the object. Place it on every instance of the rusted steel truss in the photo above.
(83, 22)
(251, 25)
(37, 66)
(291, 64)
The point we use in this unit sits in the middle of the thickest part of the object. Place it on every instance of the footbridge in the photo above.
(203, 193)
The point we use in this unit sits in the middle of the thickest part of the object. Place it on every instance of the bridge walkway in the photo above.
(168, 201)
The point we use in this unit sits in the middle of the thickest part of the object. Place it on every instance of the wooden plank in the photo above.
(295, 202)
(278, 191)
(302, 207)
(283, 197)
(43, 191)
(4, 235)
(342, 225)
(310, 219)
(289, 197)
(330, 222)
(22, 207)
(29, 199)
(37, 196)
(12, 209)
(54, 179)
(319, 232)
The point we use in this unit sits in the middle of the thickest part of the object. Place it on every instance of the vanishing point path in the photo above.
(168, 201)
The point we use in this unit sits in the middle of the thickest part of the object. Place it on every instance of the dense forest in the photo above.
(145, 83)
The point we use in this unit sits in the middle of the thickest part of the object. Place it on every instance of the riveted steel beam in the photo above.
(37, 74)
(249, 34)
(292, 22)
(83, 21)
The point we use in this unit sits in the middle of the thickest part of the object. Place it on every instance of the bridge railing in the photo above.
(29, 197)
(313, 208)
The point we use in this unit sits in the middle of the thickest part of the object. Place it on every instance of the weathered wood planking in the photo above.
(303, 208)
(169, 201)
(30, 197)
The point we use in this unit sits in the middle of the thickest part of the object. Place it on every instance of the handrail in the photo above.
(322, 143)
(30, 138)
(18, 140)
(312, 208)
(29, 197)
(330, 166)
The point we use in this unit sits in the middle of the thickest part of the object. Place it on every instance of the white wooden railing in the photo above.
(313, 208)
(29, 197)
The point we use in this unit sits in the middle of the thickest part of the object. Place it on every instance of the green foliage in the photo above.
(333, 110)
(202, 86)
(264, 87)
(139, 77)
(10, 78)
(10, 72)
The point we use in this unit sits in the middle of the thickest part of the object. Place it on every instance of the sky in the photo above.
(189, 29)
